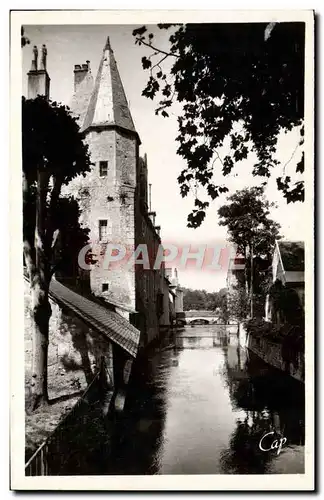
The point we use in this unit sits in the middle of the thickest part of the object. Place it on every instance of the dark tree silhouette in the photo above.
(23, 39)
(71, 236)
(240, 83)
(202, 300)
(53, 153)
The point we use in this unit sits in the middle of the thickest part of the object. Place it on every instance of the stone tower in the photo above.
(107, 193)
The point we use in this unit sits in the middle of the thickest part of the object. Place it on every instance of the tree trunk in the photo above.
(41, 312)
(246, 273)
(41, 309)
(251, 281)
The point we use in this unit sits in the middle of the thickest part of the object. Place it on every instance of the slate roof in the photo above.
(292, 255)
(104, 103)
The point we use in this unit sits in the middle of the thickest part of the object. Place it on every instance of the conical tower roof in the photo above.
(108, 104)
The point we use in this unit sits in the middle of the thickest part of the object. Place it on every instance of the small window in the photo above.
(103, 168)
(103, 230)
(105, 287)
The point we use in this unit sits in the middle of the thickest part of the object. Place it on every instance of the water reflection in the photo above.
(272, 402)
(200, 405)
(138, 435)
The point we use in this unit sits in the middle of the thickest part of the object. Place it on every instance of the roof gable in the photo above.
(292, 255)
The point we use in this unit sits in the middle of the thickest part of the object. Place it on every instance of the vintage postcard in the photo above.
(162, 250)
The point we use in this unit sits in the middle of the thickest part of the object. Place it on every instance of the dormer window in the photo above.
(103, 168)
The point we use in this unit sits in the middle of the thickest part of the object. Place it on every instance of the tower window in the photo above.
(105, 287)
(103, 230)
(103, 168)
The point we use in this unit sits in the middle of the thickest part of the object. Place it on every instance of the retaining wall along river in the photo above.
(291, 362)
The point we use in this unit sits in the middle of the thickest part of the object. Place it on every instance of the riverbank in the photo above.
(40, 424)
(272, 353)
(275, 347)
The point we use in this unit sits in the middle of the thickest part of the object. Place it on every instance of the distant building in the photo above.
(175, 294)
(235, 272)
(288, 267)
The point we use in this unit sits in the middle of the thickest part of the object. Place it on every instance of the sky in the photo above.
(70, 45)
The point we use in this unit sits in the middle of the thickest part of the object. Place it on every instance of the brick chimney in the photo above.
(38, 79)
(80, 72)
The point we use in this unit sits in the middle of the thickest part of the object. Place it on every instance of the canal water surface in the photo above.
(200, 404)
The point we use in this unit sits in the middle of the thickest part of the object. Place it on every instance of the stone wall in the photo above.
(271, 353)
(149, 282)
(178, 300)
(164, 319)
(74, 355)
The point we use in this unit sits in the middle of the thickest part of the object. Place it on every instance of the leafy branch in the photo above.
(225, 75)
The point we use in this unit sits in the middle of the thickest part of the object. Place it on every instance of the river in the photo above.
(198, 404)
(201, 404)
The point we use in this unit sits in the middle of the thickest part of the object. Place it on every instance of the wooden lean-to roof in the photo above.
(108, 323)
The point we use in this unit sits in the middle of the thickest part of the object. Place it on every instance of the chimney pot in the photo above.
(35, 59)
(80, 73)
(38, 79)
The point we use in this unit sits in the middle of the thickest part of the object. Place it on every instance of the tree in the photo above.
(246, 216)
(202, 300)
(53, 153)
(23, 39)
(223, 305)
(237, 303)
(71, 237)
(239, 85)
(194, 300)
